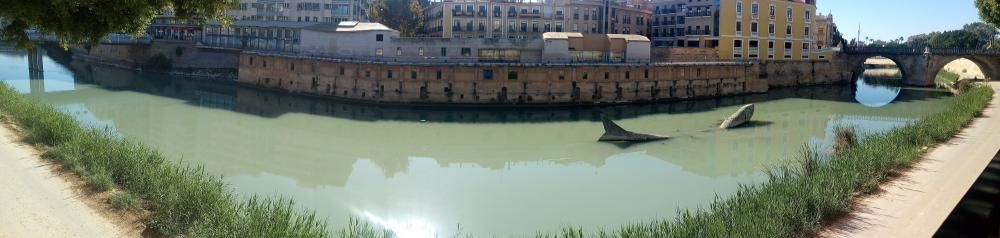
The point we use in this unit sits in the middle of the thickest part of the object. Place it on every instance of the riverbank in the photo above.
(184, 199)
(917, 203)
(799, 200)
(39, 202)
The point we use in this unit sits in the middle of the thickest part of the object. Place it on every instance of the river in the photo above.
(470, 170)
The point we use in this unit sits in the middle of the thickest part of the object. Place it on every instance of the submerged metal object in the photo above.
(741, 117)
(613, 132)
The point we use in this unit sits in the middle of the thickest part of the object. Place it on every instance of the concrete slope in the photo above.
(917, 203)
(35, 202)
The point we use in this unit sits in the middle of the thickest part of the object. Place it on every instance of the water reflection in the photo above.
(494, 171)
(877, 91)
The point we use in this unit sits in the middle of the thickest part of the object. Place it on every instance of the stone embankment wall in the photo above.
(500, 83)
(685, 54)
(798, 73)
(186, 58)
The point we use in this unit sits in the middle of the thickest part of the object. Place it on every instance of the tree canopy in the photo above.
(989, 11)
(88, 21)
(407, 16)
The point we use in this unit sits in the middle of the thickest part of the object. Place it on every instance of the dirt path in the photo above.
(36, 202)
(917, 203)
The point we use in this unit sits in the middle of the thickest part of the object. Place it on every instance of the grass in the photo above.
(185, 200)
(123, 201)
(945, 76)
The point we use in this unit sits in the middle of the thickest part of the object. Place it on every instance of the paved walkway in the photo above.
(917, 203)
(35, 202)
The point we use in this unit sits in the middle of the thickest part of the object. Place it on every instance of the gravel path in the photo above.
(36, 202)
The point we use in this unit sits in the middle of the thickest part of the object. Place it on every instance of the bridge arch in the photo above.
(856, 64)
(988, 67)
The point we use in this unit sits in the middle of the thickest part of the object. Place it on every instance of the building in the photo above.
(823, 30)
(740, 29)
(371, 41)
(260, 36)
(330, 11)
(514, 19)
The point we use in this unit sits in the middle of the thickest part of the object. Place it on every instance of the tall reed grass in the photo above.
(185, 200)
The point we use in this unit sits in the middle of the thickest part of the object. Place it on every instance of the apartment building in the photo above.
(330, 11)
(740, 29)
(513, 19)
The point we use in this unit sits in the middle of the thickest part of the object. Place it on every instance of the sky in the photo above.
(889, 19)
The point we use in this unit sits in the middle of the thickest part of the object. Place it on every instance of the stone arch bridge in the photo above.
(920, 66)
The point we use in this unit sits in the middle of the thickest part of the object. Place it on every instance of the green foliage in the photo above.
(123, 201)
(957, 39)
(989, 11)
(76, 21)
(186, 201)
(403, 15)
(100, 180)
(945, 76)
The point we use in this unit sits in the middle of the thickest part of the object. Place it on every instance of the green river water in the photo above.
(501, 172)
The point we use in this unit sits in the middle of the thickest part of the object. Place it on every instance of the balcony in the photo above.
(699, 14)
(531, 14)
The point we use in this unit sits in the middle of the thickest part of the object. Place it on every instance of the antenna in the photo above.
(857, 42)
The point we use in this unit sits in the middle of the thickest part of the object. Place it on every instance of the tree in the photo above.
(984, 31)
(403, 15)
(838, 38)
(76, 21)
(989, 11)
(957, 39)
(920, 41)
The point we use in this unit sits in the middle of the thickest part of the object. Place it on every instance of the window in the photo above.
(420, 51)
(807, 31)
(737, 48)
(771, 11)
(770, 29)
(378, 37)
(788, 31)
(754, 9)
(439, 74)
(466, 52)
(487, 74)
(444, 51)
(739, 8)
(739, 27)
(511, 75)
(390, 74)
(399, 51)
(788, 14)
(378, 51)
(753, 28)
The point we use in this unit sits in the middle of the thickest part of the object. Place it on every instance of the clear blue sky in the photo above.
(888, 19)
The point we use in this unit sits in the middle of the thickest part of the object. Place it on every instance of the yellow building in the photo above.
(740, 29)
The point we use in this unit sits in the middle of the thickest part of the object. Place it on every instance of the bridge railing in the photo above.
(908, 50)
(883, 50)
(113, 38)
